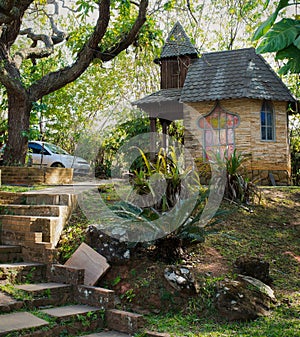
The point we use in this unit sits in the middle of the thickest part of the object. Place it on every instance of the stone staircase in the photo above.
(39, 298)
(65, 308)
(34, 222)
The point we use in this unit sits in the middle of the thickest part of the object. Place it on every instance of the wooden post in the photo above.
(165, 124)
(152, 137)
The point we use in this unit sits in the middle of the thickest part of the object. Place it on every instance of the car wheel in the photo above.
(57, 165)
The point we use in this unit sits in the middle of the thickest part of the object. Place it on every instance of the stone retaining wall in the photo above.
(11, 175)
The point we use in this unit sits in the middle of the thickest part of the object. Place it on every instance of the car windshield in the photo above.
(56, 149)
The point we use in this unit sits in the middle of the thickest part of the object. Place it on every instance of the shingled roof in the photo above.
(164, 103)
(233, 74)
(163, 95)
(177, 44)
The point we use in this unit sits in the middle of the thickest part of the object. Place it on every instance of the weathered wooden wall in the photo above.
(174, 71)
(264, 156)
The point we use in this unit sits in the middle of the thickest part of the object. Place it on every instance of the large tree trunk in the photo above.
(19, 108)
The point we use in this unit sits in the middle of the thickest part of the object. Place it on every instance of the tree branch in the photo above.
(128, 39)
(11, 24)
(35, 52)
(56, 80)
(9, 74)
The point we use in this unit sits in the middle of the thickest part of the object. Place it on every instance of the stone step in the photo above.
(107, 334)
(124, 321)
(77, 318)
(33, 210)
(8, 303)
(22, 272)
(45, 294)
(42, 198)
(15, 227)
(69, 311)
(12, 198)
(9, 253)
(19, 322)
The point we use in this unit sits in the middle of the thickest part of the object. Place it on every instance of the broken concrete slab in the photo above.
(94, 264)
(19, 321)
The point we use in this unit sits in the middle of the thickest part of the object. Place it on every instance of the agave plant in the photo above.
(165, 167)
(238, 186)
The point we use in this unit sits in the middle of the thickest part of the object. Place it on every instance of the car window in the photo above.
(56, 149)
(37, 149)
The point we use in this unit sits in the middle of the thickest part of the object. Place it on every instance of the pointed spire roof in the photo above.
(177, 44)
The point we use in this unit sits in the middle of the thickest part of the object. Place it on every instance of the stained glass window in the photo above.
(267, 121)
(218, 132)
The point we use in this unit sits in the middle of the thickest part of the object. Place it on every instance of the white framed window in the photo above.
(267, 123)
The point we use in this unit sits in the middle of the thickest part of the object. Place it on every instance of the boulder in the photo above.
(114, 250)
(181, 278)
(254, 267)
(244, 299)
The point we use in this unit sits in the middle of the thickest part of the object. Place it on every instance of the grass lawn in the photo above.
(270, 231)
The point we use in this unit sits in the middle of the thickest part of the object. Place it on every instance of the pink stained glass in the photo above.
(209, 138)
(208, 153)
(235, 121)
(223, 151)
(223, 140)
(202, 123)
(230, 150)
(230, 136)
(229, 121)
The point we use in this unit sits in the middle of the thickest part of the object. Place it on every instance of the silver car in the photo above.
(47, 154)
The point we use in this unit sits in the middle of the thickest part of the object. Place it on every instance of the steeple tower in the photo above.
(176, 56)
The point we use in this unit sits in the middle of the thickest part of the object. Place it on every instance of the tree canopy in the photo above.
(64, 80)
(116, 27)
(282, 37)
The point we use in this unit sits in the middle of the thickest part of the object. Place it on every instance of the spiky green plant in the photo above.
(238, 186)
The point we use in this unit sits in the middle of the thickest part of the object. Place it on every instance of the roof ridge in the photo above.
(229, 51)
(177, 43)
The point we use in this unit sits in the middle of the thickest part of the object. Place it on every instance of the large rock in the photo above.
(181, 278)
(115, 251)
(254, 267)
(243, 299)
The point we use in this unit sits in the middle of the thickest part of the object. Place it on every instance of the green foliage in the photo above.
(73, 235)
(282, 37)
(129, 295)
(295, 147)
(175, 197)
(238, 187)
(114, 138)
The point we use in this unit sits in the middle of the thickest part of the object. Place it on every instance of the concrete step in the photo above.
(42, 198)
(14, 324)
(15, 227)
(33, 210)
(22, 272)
(45, 294)
(9, 253)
